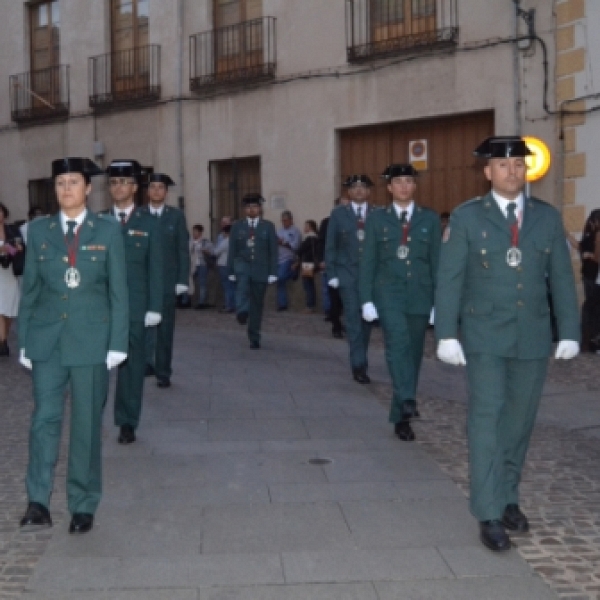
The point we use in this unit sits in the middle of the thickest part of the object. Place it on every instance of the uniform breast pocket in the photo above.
(136, 247)
(93, 264)
(420, 246)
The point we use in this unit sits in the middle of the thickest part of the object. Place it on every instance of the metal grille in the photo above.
(126, 77)
(230, 181)
(383, 28)
(237, 54)
(39, 95)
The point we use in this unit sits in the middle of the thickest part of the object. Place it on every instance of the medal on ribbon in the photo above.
(514, 255)
(72, 277)
(72, 274)
(403, 248)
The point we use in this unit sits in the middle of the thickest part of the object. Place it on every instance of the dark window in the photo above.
(42, 194)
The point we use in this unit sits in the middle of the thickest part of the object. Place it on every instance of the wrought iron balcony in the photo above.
(383, 28)
(235, 55)
(124, 78)
(40, 95)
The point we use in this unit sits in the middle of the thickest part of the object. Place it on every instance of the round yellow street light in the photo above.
(539, 162)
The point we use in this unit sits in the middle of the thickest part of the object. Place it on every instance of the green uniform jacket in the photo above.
(504, 310)
(86, 321)
(176, 250)
(381, 268)
(259, 261)
(144, 259)
(343, 250)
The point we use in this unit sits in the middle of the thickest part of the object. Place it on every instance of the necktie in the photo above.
(123, 217)
(359, 213)
(403, 215)
(71, 230)
(511, 217)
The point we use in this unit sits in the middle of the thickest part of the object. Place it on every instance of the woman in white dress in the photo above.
(10, 244)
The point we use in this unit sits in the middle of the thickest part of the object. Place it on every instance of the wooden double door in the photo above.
(452, 174)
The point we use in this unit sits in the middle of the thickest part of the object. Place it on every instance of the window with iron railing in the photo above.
(236, 54)
(381, 28)
(129, 76)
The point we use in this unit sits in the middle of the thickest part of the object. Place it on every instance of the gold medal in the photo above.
(513, 257)
(72, 278)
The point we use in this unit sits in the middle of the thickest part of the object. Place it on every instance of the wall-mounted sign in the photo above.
(417, 154)
(539, 162)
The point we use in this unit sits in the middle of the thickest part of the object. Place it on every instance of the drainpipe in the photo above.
(181, 182)
(516, 71)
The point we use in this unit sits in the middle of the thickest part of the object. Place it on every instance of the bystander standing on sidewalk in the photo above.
(221, 253)
(308, 259)
(289, 237)
(201, 250)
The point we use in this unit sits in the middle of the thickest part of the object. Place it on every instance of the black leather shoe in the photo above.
(126, 435)
(149, 371)
(337, 335)
(255, 345)
(493, 535)
(360, 375)
(404, 431)
(242, 318)
(163, 382)
(514, 520)
(81, 523)
(281, 308)
(36, 517)
(4, 349)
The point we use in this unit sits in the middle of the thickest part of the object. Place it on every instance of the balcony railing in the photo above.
(382, 28)
(40, 95)
(124, 78)
(234, 55)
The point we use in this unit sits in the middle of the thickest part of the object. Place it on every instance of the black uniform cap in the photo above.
(160, 178)
(399, 170)
(70, 164)
(253, 198)
(502, 147)
(125, 168)
(353, 179)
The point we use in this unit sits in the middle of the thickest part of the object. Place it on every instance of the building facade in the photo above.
(288, 98)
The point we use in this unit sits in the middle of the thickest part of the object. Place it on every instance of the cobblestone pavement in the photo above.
(560, 489)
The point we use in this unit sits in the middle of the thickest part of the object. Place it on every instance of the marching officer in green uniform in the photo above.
(343, 254)
(144, 260)
(498, 252)
(252, 264)
(397, 280)
(73, 325)
(176, 262)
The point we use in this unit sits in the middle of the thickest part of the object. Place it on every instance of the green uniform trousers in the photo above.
(504, 395)
(250, 298)
(358, 331)
(130, 379)
(159, 340)
(404, 337)
(89, 388)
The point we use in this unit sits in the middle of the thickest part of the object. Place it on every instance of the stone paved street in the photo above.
(560, 491)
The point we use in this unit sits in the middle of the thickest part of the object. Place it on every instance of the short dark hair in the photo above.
(313, 225)
(4, 210)
(198, 227)
(445, 215)
(33, 210)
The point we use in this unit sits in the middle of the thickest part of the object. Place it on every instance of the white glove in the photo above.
(232, 278)
(451, 352)
(334, 283)
(114, 359)
(272, 279)
(26, 362)
(369, 312)
(567, 349)
(151, 319)
(181, 289)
